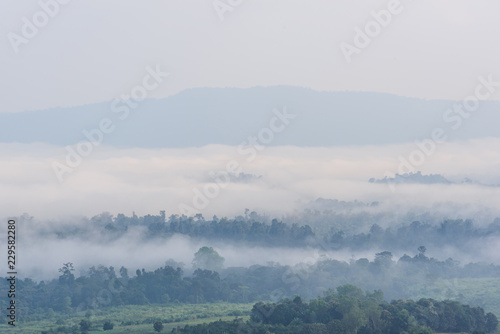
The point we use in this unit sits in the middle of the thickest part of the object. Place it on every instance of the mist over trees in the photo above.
(207, 258)
(347, 226)
(410, 278)
(406, 277)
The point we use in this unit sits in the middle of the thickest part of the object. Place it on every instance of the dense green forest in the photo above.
(426, 291)
(103, 286)
(348, 310)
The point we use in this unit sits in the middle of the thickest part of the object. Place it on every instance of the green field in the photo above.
(484, 292)
(137, 319)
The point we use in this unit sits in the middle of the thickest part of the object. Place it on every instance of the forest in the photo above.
(416, 291)
(355, 229)
(348, 309)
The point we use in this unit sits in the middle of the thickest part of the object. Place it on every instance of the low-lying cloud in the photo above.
(147, 181)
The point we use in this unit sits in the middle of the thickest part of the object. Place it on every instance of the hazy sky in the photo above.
(65, 53)
(93, 51)
(68, 53)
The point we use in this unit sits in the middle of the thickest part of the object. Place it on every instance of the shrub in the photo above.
(108, 325)
(158, 326)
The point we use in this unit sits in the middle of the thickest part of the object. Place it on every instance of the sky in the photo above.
(63, 53)
(94, 51)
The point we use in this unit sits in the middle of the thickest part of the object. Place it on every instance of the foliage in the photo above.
(108, 325)
(85, 325)
(417, 275)
(207, 258)
(158, 326)
(349, 311)
(132, 319)
(409, 277)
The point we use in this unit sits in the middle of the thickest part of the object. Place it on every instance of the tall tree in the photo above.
(208, 258)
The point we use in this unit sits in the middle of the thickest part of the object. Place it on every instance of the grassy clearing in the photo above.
(138, 319)
(484, 292)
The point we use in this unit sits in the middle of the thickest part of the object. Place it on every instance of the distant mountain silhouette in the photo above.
(202, 116)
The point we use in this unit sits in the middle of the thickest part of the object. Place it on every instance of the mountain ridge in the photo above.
(203, 116)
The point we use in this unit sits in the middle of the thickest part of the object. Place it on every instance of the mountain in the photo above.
(203, 116)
